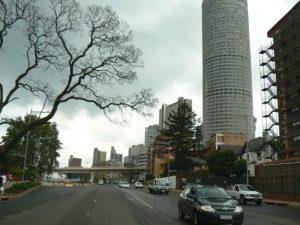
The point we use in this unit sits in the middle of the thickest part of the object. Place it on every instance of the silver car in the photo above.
(124, 184)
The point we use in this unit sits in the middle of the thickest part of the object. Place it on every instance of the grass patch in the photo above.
(20, 187)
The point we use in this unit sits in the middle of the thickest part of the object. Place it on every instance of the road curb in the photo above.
(281, 203)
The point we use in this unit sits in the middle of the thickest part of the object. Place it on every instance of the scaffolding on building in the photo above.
(269, 93)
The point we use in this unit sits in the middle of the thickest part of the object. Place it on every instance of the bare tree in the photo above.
(104, 57)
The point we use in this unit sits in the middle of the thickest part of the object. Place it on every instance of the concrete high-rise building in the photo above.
(280, 75)
(151, 133)
(227, 85)
(112, 153)
(134, 152)
(74, 162)
(114, 156)
(98, 156)
(165, 111)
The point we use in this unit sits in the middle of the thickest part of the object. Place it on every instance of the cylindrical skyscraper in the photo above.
(227, 85)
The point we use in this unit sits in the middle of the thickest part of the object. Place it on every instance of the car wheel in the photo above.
(195, 219)
(180, 213)
(242, 200)
(258, 203)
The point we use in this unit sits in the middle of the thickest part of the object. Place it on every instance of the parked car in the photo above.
(124, 184)
(245, 193)
(207, 204)
(138, 184)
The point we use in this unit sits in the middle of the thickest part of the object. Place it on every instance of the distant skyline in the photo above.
(169, 34)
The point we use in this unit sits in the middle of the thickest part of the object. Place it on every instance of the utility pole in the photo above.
(1, 97)
(26, 147)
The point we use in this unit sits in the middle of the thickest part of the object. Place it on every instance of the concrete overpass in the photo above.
(98, 169)
(92, 170)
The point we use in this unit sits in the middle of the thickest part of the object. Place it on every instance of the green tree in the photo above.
(181, 132)
(199, 137)
(42, 147)
(221, 162)
(87, 50)
(240, 167)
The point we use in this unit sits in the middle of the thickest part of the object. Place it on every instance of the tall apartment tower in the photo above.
(227, 84)
(281, 70)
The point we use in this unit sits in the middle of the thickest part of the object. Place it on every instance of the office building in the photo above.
(114, 156)
(227, 82)
(151, 133)
(98, 156)
(134, 153)
(74, 162)
(166, 110)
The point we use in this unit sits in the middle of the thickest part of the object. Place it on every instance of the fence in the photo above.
(184, 178)
(280, 180)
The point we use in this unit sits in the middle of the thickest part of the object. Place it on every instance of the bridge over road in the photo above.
(98, 169)
(92, 170)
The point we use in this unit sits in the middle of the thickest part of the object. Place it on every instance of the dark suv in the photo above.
(208, 204)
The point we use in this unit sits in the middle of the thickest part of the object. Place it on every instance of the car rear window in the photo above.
(211, 192)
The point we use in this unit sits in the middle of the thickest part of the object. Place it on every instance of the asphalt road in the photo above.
(110, 205)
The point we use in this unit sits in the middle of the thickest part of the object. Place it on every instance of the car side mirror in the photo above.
(191, 196)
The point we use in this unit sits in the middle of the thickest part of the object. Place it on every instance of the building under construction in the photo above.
(280, 74)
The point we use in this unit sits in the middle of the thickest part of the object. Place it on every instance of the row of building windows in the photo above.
(217, 45)
(227, 82)
(227, 89)
(226, 58)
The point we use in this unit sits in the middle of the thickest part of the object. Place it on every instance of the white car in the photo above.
(124, 184)
(100, 181)
(245, 193)
(138, 185)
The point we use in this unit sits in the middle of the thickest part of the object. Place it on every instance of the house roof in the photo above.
(256, 144)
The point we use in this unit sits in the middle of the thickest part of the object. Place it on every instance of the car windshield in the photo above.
(212, 192)
(246, 188)
(162, 183)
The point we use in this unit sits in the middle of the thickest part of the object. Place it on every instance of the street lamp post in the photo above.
(169, 148)
(27, 137)
(247, 173)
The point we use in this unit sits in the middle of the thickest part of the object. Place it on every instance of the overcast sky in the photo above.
(169, 34)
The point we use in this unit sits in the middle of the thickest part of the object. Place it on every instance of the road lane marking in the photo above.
(95, 200)
(138, 199)
(88, 213)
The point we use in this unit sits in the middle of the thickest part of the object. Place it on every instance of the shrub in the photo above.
(20, 187)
